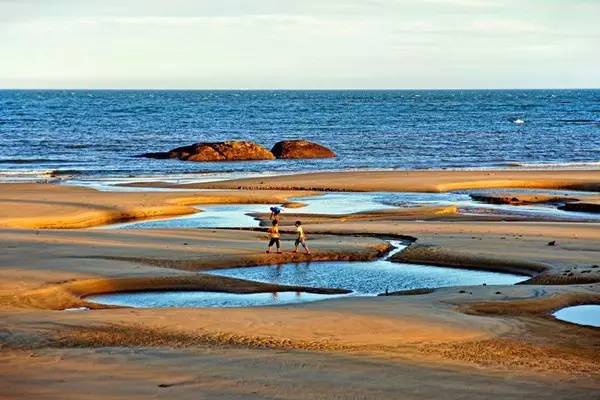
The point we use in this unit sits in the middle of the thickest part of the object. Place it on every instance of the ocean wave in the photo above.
(65, 172)
(36, 175)
(31, 160)
(579, 121)
(554, 165)
(79, 146)
(9, 176)
(19, 172)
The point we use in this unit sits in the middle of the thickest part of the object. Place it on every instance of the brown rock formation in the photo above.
(218, 151)
(301, 149)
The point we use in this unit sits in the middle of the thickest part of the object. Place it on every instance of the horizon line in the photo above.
(288, 89)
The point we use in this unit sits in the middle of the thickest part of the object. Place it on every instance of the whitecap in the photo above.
(557, 165)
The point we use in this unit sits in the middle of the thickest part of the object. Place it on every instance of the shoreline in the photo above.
(58, 176)
(428, 181)
(49, 206)
(503, 333)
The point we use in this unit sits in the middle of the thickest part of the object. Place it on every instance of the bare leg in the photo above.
(305, 248)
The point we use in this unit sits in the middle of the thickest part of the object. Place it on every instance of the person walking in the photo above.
(300, 238)
(274, 237)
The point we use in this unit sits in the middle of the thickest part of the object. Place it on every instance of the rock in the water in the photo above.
(301, 149)
(235, 150)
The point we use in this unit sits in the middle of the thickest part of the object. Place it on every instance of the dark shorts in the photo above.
(274, 241)
(298, 241)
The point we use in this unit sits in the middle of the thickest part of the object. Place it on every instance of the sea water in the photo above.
(97, 133)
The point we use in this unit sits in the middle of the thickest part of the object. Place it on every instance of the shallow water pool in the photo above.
(235, 215)
(369, 278)
(192, 299)
(588, 314)
(363, 278)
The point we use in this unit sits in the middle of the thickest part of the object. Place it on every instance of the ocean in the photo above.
(94, 134)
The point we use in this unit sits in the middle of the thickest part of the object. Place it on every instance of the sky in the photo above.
(299, 44)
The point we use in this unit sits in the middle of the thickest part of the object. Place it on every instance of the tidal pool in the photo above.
(235, 215)
(369, 278)
(582, 315)
(192, 299)
(363, 278)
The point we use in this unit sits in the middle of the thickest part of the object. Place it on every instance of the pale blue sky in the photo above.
(319, 44)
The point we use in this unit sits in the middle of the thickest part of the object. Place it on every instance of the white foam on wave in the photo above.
(558, 165)
(25, 175)
(519, 121)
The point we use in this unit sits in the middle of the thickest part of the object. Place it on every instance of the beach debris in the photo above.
(300, 149)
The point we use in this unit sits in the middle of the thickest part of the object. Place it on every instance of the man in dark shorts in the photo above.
(274, 237)
(300, 238)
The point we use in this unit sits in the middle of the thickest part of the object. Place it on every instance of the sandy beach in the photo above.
(498, 340)
(415, 181)
(49, 206)
(300, 200)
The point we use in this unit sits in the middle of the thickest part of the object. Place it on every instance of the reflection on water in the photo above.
(234, 215)
(204, 299)
(364, 278)
(583, 315)
(369, 278)
(228, 215)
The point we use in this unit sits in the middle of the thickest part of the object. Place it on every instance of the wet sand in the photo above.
(579, 202)
(588, 205)
(473, 342)
(47, 206)
(413, 181)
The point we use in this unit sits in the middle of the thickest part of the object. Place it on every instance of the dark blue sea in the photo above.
(98, 133)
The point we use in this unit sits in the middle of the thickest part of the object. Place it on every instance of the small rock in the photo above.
(552, 243)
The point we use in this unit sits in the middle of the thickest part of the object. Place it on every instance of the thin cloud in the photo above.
(466, 3)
